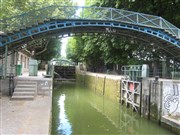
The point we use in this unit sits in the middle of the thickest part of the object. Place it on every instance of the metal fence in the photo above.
(135, 72)
(92, 13)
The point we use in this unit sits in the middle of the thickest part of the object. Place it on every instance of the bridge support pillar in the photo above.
(164, 68)
(5, 63)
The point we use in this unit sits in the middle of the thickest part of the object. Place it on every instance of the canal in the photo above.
(79, 111)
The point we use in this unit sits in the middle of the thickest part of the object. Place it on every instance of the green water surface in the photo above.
(79, 111)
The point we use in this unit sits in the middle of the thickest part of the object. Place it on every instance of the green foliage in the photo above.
(74, 50)
(168, 9)
(102, 50)
(91, 3)
(11, 8)
(53, 50)
(119, 50)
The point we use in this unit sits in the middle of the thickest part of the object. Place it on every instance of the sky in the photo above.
(65, 40)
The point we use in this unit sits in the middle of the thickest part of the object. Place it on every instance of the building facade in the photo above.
(16, 60)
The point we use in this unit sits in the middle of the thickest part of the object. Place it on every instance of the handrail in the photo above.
(83, 13)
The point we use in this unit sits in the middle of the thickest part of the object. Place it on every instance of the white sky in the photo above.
(65, 40)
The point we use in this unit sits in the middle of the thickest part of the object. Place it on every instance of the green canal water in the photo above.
(79, 111)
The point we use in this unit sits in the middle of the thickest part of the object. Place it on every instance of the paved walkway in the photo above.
(25, 117)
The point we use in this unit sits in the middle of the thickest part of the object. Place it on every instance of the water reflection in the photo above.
(83, 112)
(123, 120)
(64, 125)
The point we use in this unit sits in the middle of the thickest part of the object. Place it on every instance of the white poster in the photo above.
(171, 98)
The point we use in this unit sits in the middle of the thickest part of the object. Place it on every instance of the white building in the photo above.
(14, 61)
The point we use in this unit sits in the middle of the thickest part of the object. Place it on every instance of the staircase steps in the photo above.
(22, 97)
(24, 93)
(24, 90)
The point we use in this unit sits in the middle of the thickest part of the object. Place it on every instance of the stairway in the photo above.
(25, 90)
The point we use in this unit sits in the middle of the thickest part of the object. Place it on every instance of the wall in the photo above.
(171, 98)
(44, 85)
(23, 59)
(4, 85)
(160, 97)
(10, 63)
(13, 60)
(162, 92)
(171, 105)
(104, 84)
(161, 102)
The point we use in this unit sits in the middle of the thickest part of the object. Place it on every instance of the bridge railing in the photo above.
(87, 13)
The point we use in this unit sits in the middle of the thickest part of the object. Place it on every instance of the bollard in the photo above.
(11, 84)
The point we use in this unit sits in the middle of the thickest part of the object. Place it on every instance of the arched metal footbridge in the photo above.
(61, 20)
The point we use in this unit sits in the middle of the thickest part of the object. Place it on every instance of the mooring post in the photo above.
(120, 92)
(140, 106)
(149, 102)
(96, 82)
(156, 83)
(104, 85)
(160, 108)
(11, 84)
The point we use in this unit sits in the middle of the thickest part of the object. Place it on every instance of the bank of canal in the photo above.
(77, 110)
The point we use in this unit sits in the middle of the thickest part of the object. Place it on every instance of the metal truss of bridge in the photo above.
(61, 20)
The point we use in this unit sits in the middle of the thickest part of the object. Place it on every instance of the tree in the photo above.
(11, 8)
(75, 49)
(50, 49)
(122, 50)
(167, 9)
